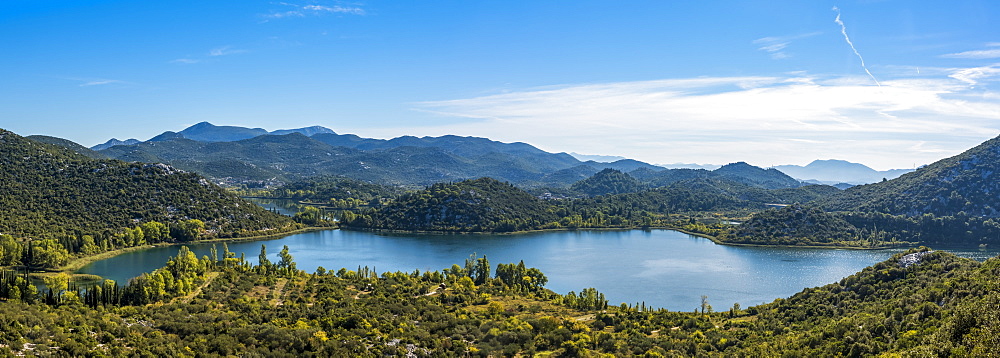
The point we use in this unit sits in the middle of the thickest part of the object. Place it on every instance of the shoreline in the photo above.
(77, 263)
(701, 235)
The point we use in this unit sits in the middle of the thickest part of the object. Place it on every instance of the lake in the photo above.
(663, 268)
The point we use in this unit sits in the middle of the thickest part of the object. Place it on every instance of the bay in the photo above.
(662, 268)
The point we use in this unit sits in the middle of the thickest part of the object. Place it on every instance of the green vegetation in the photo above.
(59, 204)
(607, 182)
(796, 225)
(487, 205)
(481, 205)
(918, 303)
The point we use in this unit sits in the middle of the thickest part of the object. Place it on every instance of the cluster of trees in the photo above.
(792, 225)
(59, 203)
(931, 303)
(339, 192)
(480, 205)
(54, 252)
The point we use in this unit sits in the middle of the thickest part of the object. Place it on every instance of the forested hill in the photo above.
(792, 225)
(967, 183)
(49, 191)
(606, 182)
(480, 205)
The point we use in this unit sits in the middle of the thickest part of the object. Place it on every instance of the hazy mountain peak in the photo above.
(831, 171)
(596, 158)
(113, 142)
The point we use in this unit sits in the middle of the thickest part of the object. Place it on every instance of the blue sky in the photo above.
(767, 82)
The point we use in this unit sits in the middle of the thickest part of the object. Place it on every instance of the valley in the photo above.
(398, 238)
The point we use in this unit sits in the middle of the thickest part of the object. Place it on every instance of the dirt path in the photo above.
(279, 289)
(197, 291)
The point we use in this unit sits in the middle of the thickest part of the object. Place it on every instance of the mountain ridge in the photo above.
(833, 171)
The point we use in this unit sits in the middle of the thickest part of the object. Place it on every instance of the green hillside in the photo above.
(480, 205)
(607, 182)
(918, 303)
(966, 183)
(49, 192)
(792, 225)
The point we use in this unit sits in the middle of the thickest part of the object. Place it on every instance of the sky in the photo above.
(890, 84)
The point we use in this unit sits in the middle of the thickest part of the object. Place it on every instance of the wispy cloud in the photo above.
(207, 57)
(975, 75)
(88, 82)
(775, 45)
(843, 30)
(768, 120)
(297, 10)
(992, 51)
(224, 51)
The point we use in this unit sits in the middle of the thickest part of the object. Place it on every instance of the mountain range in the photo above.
(245, 155)
(457, 158)
(835, 171)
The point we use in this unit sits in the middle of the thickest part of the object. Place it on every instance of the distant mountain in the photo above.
(966, 184)
(690, 166)
(293, 156)
(207, 132)
(755, 176)
(661, 178)
(49, 191)
(113, 142)
(625, 165)
(740, 172)
(596, 158)
(839, 171)
(307, 131)
(68, 144)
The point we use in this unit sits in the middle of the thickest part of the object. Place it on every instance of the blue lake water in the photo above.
(662, 268)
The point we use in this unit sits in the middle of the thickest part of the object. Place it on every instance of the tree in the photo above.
(187, 230)
(286, 261)
(57, 283)
(10, 250)
(264, 263)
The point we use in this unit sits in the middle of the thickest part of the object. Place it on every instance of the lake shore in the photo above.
(76, 264)
(701, 235)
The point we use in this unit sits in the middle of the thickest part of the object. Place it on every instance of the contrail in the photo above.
(843, 30)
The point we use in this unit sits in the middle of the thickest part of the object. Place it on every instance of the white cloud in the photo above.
(224, 51)
(775, 45)
(87, 82)
(974, 75)
(764, 120)
(977, 54)
(186, 61)
(296, 10)
(992, 51)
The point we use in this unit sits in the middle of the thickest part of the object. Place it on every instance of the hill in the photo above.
(839, 171)
(113, 142)
(964, 185)
(68, 144)
(755, 176)
(792, 225)
(52, 192)
(480, 205)
(606, 182)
